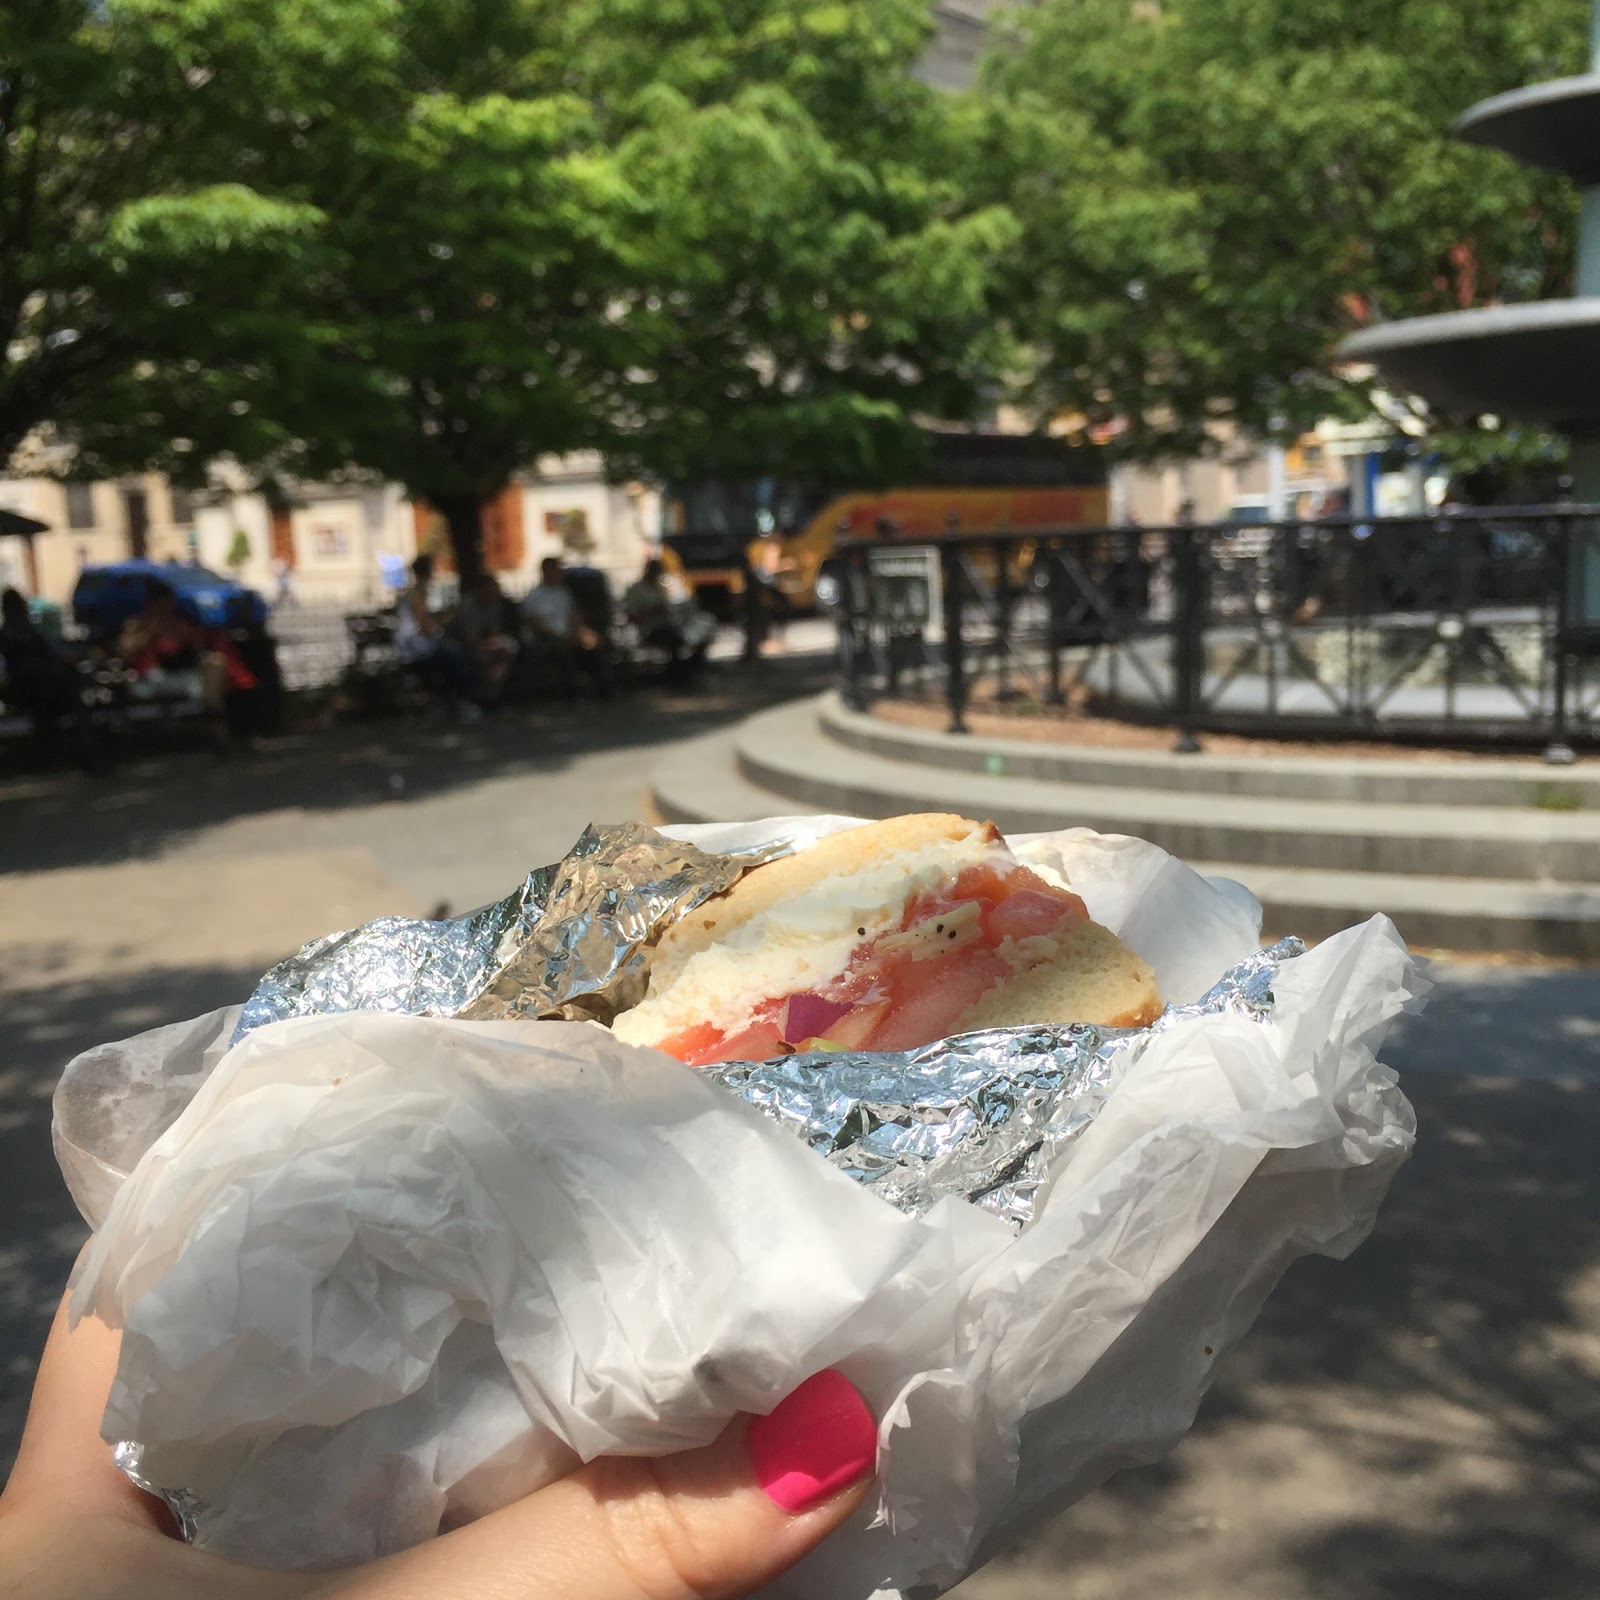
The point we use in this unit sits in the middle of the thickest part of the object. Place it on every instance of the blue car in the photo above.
(105, 597)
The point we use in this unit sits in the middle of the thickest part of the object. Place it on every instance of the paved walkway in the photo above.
(1421, 1423)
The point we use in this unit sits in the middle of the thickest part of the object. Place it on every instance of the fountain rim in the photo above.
(1488, 118)
(1425, 354)
(1478, 322)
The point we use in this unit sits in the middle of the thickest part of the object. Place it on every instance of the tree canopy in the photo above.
(124, 192)
(434, 239)
(1212, 193)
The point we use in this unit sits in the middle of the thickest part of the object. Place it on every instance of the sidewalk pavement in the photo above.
(1420, 1423)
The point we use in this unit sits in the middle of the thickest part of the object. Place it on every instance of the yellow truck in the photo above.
(975, 483)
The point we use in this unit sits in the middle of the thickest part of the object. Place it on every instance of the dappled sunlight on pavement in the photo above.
(1419, 1423)
(1422, 1421)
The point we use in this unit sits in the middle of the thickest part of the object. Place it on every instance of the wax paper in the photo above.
(378, 1274)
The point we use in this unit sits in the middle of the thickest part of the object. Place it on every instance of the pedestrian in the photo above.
(769, 562)
(283, 575)
(725, 1519)
(558, 632)
(420, 642)
(486, 623)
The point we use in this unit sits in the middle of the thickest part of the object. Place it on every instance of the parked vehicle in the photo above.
(971, 483)
(106, 596)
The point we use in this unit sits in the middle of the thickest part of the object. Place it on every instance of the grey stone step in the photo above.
(1466, 914)
(787, 752)
(1385, 781)
(700, 782)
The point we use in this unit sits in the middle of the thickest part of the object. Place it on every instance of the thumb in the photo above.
(709, 1524)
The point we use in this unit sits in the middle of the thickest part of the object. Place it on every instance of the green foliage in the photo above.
(434, 239)
(239, 550)
(140, 220)
(1212, 193)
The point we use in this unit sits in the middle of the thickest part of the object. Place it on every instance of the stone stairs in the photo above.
(1472, 856)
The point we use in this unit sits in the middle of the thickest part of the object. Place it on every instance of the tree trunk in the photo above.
(463, 515)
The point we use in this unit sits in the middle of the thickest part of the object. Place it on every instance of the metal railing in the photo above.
(1464, 627)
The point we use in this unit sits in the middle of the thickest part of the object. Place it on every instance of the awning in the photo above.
(13, 522)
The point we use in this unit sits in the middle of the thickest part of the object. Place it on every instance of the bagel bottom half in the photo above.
(884, 937)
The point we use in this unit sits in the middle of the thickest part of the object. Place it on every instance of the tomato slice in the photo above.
(1026, 914)
(695, 1044)
(928, 997)
(754, 1043)
(889, 999)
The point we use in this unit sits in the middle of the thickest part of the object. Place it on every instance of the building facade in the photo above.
(330, 543)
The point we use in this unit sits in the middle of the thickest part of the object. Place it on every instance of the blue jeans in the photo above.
(449, 668)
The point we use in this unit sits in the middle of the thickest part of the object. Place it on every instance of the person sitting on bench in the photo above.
(667, 622)
(420, 641)
(36, 679)
(558, 632)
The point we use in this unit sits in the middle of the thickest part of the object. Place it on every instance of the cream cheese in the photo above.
(800, 945)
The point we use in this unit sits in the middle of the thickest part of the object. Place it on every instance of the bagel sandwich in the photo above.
(883, 937)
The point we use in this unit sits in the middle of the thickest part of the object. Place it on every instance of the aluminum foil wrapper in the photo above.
(981, 1116)
(1053, 1340)
(570, 942)
(187, 1509)
(984, 1116)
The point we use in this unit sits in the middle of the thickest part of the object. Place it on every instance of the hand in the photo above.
(709, 1524)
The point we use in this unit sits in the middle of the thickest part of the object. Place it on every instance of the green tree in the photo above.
(817, 276)
(1212, 193)
(432, 239)
(699, 238)
(136, 233)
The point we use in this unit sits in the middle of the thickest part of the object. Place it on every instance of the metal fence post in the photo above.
(1003, 604)
(755, 631)
(855, 621)
(1188, 633)
(1558, 752)
(1048, 563)
(955, 667)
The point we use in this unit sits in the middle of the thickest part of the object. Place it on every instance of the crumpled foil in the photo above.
(186, 1508)
(570, 942)
(984, 1116)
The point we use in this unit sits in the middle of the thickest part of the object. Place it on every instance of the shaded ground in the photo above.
(167, 889)
(1420, 1423)
(366, 786)
(1025, 718)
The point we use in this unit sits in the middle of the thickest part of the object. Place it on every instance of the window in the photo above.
(182, 506)
(330, 541)
(80, 505)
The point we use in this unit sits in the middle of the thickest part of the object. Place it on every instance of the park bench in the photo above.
(377, 681)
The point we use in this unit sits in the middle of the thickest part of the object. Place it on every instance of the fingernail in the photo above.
(818, 1441)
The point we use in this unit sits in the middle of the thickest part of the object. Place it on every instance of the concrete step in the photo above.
(1443, 913)
(701, 781)
(787, 752)
(1384, 781)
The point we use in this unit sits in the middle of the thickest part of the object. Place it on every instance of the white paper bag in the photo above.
(382, 1274)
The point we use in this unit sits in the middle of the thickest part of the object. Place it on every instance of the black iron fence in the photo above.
(1473, 626)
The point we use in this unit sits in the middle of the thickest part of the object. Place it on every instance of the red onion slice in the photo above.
(805, 1016)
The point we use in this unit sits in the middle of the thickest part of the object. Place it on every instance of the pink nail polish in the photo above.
(818, 1441)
